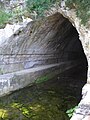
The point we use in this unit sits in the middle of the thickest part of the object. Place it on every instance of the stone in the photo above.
(41, 43)
(37, 48)
(87, 118)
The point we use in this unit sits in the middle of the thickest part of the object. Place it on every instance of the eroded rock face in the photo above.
(83, 110)
(39, 43)
(50, 45)
(84, 31)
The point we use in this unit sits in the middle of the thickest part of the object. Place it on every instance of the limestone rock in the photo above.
(42, 45)
(45, 43)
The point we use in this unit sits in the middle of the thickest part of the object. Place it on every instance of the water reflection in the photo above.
(45, 101)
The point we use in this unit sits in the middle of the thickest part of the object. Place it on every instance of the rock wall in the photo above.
(50, 45)
(29, 47)
(9, 5)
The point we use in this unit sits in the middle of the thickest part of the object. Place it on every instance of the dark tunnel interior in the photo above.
(71, 49)
(65, 44)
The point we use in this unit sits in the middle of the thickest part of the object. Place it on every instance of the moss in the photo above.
(44, 78)
(47, 77)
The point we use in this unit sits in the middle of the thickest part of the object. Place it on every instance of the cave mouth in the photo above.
(59, 42)
(69, 48)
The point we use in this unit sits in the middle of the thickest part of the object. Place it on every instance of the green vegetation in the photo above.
(82, 9)
(42, 79)
(34, 9)
(3, 114)
(70, 111)
(45, 78)
(38, 7)
(4, 18)
(13, 16)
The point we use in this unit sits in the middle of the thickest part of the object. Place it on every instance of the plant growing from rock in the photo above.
(38, 7)
(82, 9)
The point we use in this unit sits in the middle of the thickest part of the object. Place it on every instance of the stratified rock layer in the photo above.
(50, 45)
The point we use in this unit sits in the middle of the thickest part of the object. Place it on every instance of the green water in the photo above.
(46, 101)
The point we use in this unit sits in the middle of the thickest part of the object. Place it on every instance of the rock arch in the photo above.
(47, 46)
(82, 111)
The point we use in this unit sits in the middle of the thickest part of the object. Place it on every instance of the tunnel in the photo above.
(43, 68)
(47, 47)
(65, 46)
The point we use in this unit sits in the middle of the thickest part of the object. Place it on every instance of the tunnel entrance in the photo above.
(63, 44)
(52, 52)
(69, 48)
